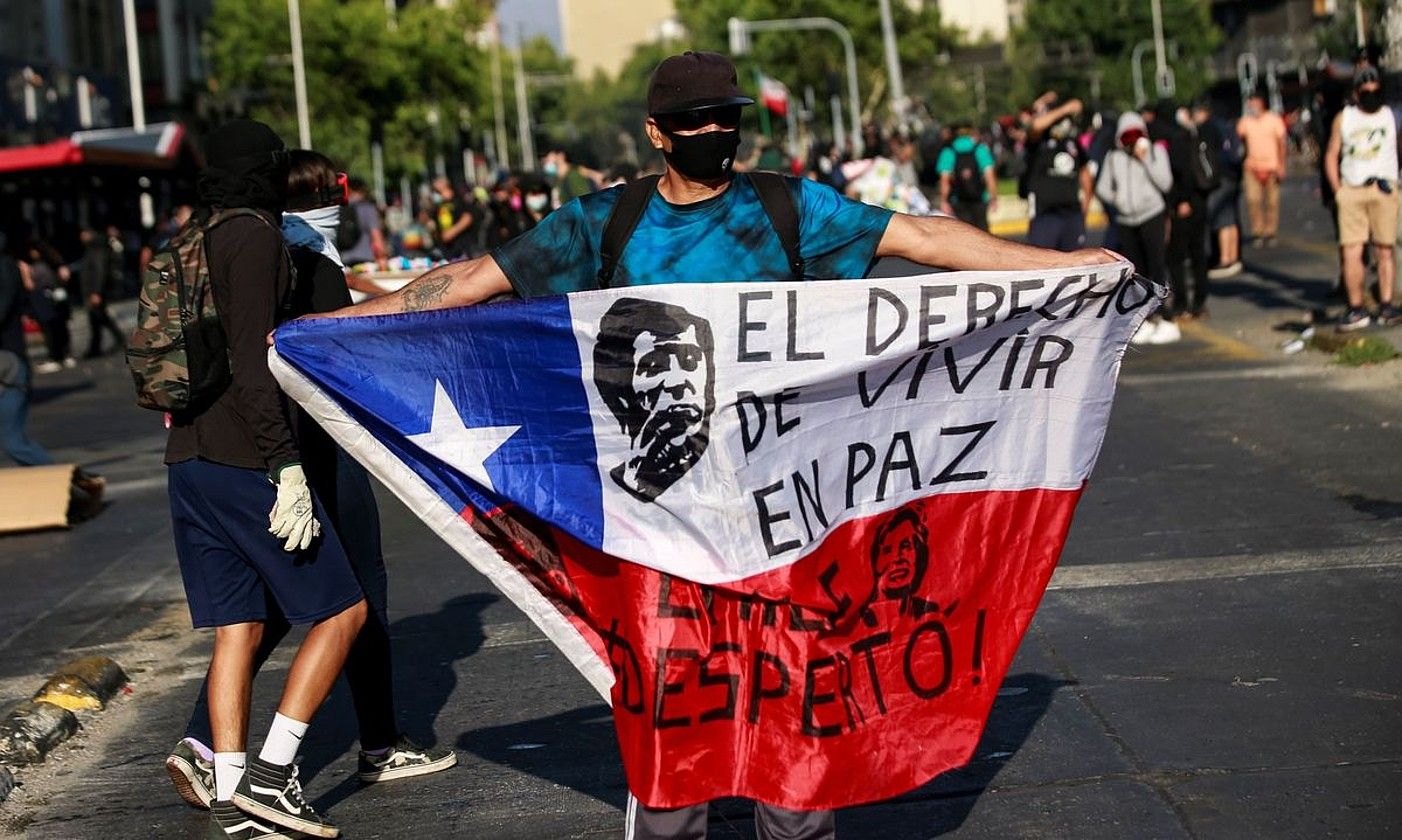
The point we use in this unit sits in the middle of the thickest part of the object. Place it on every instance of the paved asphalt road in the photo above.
(1218, 656)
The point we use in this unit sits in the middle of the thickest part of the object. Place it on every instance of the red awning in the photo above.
(158, 146)
(49, 155)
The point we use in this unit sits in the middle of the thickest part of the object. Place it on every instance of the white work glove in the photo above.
(292, 517)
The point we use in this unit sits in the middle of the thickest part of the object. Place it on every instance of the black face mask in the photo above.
(703, 157)
(1370, 100)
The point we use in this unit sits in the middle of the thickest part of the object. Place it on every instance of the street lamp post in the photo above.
(138, 98)
(299, 74)
(893, 64)
(523, 108)
(1163, 74)
(740, 45)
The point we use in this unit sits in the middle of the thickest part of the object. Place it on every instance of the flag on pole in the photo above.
(793, 532)
(774, 94)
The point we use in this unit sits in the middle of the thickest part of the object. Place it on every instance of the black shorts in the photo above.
(230, 563)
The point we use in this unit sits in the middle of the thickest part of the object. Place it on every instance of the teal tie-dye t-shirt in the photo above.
(725, 238)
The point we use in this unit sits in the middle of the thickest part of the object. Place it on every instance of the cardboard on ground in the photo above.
(34, 497)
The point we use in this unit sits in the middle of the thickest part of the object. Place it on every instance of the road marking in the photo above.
(1191, 569)
(1224, 344)
(119, 488)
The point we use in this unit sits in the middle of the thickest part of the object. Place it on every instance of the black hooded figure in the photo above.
(245, 166)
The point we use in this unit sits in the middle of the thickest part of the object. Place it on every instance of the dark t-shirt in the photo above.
(725, 238)
(12, 301)
(369, 218)
(1055, 174)
(250, 424)
(321, 284)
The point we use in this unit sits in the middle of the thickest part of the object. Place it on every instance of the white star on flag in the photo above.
(451, 441)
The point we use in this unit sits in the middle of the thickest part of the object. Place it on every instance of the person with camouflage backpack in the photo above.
(246, 523)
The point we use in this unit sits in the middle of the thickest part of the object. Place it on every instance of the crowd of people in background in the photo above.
(1170, 178)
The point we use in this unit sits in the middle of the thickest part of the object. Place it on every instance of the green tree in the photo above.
(363, 78)
(1106, 32)
(816, 58)
(1339, 35)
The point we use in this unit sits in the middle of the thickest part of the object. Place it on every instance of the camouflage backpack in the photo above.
(178, 354)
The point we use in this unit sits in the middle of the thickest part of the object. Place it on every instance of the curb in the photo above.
(1018, 227)
(33, 728)
(83, 684)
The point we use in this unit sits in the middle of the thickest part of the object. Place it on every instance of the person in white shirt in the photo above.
(1361, 163)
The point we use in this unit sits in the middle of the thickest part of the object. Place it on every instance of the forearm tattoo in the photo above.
(426, 292)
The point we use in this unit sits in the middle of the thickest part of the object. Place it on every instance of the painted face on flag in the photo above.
(653, 367)
(899, 555)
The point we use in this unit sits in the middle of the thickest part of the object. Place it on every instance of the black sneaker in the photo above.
(227, 822)
(192, 776)
(1388, 315)
(403, 760)
(271, 791)
(1354, 319)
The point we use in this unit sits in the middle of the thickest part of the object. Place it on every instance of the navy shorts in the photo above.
(1222, 204)
(231, 565)
(1061, 228)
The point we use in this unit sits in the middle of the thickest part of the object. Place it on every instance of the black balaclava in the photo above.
(244, 167)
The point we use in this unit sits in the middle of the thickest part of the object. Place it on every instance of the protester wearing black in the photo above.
(49, 305)
(99, 273)
(1058, 188)
(1195, 176)
(459, 221)
(234, 468)
(1226, 150)
(12, 305)
(343, 486)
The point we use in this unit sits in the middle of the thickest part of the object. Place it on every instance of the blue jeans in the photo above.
(14, 413)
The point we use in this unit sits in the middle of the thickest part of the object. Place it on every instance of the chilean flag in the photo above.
(774, 94)
(794, 532)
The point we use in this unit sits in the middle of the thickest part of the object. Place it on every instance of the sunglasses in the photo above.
(725, 116)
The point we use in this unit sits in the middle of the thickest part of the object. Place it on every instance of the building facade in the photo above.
(63, 64)
(601, 34)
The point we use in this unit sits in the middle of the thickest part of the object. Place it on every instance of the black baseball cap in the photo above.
(693, 80)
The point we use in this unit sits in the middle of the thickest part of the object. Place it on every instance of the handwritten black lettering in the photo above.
(977, 432)
(747, 326)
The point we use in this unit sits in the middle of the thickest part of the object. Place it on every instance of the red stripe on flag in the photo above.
(858, 673)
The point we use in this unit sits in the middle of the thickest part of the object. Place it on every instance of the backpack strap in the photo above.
(779, 205)
(622, 221)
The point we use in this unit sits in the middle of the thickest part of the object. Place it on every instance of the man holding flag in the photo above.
(655, 367)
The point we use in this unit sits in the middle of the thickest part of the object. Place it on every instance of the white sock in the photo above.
(228, 769)
(284, 739)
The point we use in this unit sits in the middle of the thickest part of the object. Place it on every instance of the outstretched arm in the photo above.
(456, 284)
(949, 243)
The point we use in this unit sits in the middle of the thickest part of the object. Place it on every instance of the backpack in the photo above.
(968, 181)
(348, 230)
(178, 354)
(1204, 167)
(774, 197)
